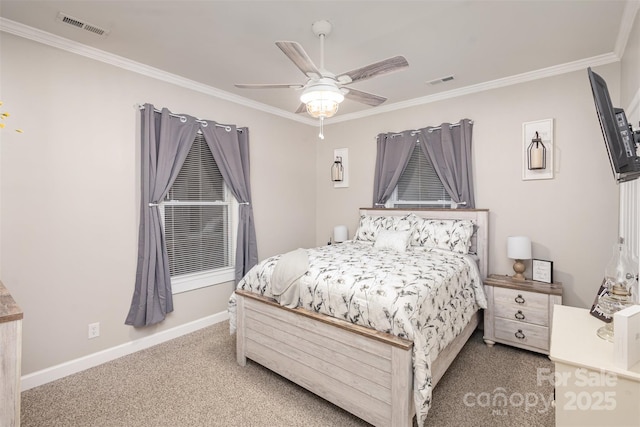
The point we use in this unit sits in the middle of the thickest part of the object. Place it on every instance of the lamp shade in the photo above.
(322, 98)
(518, 247)
(340, 233)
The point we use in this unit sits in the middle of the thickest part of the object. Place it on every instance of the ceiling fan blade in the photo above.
(386, 66)
(364, 97)
(298, 56)
(302, 108)
(269, 86)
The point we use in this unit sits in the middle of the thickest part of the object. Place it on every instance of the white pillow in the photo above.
(395, 240)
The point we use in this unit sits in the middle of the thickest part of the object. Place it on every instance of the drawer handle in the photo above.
(519, 315)
(519, 299)
(519, 334)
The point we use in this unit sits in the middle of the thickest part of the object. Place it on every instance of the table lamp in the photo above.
(519, 248)
(340, 233)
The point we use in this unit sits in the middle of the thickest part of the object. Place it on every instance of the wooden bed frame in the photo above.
(363, 371)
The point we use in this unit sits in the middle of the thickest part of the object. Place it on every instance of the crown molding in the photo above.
(49, 39)
(65, 44)
(493, 84)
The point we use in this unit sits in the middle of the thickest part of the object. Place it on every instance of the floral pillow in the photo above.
(448, 234)
(371, 225)
(394, 240)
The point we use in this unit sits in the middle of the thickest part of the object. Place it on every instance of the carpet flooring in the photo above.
(194, 380)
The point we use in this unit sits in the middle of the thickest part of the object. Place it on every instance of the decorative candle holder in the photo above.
(536, 154)
(337, 170)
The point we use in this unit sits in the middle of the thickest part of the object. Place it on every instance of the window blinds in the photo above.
(196, 215)
(199, 179)
(419, 184)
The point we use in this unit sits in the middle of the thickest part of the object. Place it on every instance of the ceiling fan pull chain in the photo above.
(321, 134)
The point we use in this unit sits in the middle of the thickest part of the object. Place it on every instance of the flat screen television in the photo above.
(619, 137)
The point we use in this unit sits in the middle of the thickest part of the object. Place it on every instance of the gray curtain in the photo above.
(449, 149)
(393, 153)
(166, 141)
(230, 149)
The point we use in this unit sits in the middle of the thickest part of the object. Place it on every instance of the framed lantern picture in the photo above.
(542, 271)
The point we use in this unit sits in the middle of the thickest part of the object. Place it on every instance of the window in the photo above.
(419, 185)
(199, 223)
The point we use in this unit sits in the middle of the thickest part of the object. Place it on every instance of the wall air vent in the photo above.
(69, 20)
(440, 80)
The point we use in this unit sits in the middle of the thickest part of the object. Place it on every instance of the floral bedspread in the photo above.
(425, 295)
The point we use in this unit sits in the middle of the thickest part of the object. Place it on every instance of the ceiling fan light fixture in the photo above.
(323, 92)
(322, 100)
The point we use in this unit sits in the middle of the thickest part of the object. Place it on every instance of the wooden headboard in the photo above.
(480, 217)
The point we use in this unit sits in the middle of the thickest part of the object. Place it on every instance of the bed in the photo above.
(377, 339)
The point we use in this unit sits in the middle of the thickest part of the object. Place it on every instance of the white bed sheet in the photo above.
(426, 296)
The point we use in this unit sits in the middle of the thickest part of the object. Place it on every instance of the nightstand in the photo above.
(519, 312)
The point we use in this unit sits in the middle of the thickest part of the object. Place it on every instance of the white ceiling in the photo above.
(219, 43)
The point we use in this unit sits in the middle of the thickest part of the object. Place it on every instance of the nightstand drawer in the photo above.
(522, 333)
(518, 299)
(519, 312)
(533, 315)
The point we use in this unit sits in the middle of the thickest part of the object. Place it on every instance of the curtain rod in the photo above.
(452, 125)
(415, 132)
(183, 119)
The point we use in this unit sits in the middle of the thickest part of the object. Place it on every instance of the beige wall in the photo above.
(571, 219)
(69, 195)
(69, 185)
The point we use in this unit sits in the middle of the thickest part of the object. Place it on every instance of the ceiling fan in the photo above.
(324, 90)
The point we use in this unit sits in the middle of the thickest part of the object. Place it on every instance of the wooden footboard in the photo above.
(365, 372)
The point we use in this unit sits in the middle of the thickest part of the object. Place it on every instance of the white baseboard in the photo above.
(53, 373)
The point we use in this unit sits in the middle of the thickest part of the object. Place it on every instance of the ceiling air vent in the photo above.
(440, 80)
(63, 17)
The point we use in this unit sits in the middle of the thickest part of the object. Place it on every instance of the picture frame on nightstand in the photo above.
(542, 270)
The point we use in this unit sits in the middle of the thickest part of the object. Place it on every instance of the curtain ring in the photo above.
(205, 124)
(183, 119)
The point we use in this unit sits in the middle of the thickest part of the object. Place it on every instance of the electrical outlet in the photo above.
(94, 330)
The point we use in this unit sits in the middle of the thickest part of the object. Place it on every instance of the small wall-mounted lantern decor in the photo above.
(537, 150)
(340, 168)
(536, 154)
(337, 170)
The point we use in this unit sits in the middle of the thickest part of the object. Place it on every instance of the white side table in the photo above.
(590, 390)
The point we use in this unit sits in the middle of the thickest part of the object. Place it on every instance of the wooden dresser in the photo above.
(519, 312)
(10, 359)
